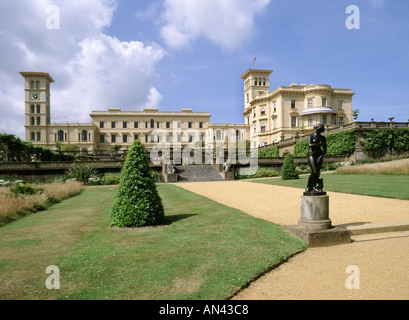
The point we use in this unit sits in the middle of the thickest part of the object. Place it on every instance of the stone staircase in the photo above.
(196, 173)
(380, 230)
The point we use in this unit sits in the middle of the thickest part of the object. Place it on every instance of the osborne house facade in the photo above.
(269, 117)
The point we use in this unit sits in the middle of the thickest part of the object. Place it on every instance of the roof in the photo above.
(37, 74)
(261, 71)
(315, 110)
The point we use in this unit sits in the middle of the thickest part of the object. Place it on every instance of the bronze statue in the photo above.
(317, 149)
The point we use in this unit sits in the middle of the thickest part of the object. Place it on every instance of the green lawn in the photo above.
(388, 186)
(208, 251)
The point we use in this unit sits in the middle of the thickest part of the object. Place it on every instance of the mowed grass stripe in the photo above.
(387, 186)
(208, 251)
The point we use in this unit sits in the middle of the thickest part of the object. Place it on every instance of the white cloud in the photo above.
(154, 98)
(92, 71)
(227, 23)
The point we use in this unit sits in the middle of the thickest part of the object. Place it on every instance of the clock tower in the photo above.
(37, 106)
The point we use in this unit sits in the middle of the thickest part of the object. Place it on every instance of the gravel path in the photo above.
(321, 273)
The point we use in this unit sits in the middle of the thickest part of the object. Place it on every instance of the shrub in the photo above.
(137, 202)
(25, 189)
(82, 172)
(289, 171)
(111, 178)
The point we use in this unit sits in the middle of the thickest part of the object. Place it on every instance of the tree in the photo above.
(137, 202)
(289, 172)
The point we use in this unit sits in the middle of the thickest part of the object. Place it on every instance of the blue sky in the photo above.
(175, 54)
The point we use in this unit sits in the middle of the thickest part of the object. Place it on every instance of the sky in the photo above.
(174, 54)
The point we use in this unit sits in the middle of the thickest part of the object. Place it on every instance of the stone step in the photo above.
(379, 236)
(379, 227)
(197, 173)
(379, 230)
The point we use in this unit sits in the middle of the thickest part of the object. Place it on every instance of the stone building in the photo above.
(116, 127)
(287, 111)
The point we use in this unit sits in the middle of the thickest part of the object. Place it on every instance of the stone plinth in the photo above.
(314, 226)
(315, 213)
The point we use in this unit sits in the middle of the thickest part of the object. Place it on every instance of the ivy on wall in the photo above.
(338, 144)
(269, 152)
(390, 140)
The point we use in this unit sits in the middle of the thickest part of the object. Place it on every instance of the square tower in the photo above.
(37, 106)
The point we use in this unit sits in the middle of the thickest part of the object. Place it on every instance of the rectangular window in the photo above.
(254, 128)
(113, 125)
(113, 138)
(146, 138)
(275, 123)
(310, 120)
(200, 125)
(124, 125)
(38, 136)
(310, 103)
(101, 139)
(190, 125)
(124, 138)
(292, 104)
(262, 110)
(157, 125)
(179, 125)
(340, 105)
(135, 125)
(340, 121)
(146, 125)
(167, 125)
(135, 137)
(293, 121)
(179, 138)
(254, 112)
(324, 102)
(263, 126)
(101, 125)
(152, 138)
(324, 119)
(274, 107)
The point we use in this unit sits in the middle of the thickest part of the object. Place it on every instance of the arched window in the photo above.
(38, 121)
(255, 81)
(38, 136)
(37, 85)
(60, 135)
(152, 123)
(264, 81)
(33, 121)
(32, 85)
(38, 109)
(33, 136)
(84, 135)
(32, 108)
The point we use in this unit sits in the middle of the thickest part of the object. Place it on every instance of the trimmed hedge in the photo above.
(289, 171)
(137, 202)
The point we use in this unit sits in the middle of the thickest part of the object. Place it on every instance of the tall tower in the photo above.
(256, 83)
(37, 106)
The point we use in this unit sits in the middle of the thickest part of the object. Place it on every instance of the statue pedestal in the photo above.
(315, 212)
(314, 226)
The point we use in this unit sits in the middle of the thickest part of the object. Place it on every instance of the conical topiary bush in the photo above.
(137, 202)
(289, 171)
